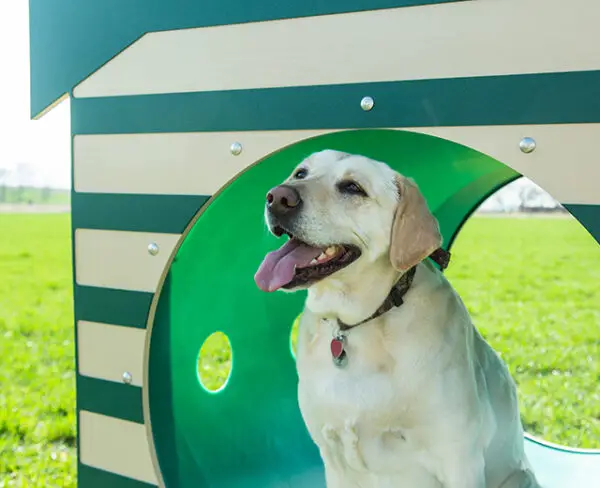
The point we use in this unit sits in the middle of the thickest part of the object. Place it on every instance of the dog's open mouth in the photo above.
(298, 263)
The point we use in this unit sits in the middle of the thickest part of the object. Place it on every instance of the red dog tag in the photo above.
(337, 348)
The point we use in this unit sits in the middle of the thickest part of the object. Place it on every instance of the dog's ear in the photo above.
(415, 231)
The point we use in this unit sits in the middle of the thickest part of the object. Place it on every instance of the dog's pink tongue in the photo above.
(277, 269)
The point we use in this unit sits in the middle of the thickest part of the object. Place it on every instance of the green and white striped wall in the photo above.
(152, 130)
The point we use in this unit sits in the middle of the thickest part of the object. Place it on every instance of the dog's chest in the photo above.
(336, 393)
(364, 411)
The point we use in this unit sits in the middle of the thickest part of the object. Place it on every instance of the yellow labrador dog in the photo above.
(397, 387)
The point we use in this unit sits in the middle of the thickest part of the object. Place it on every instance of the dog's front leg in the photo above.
(350, 441)
(332, 454)
(331, 449)
(334, 478)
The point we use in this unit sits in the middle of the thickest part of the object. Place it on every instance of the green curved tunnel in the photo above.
(250, 433)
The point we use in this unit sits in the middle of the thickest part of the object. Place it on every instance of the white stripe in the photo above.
(173, 163)
(116, 446)
(116, 259)
(564, 163)
(462, 39)
(107, 351)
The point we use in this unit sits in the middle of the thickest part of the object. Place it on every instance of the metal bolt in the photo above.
(153, 249)
(236, 148)
(367, 103)
(527, 145)
(127, 378)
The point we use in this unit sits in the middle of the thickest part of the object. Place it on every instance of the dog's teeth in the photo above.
(322, 256)
(331, 250)
(314, 261)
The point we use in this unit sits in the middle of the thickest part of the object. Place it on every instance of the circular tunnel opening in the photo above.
(541, 315)
(529, 273)
(209, 287)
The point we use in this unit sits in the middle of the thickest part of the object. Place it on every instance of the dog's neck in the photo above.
(394, 299)
(353, 294)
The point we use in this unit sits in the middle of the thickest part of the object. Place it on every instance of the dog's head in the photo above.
(340, 210)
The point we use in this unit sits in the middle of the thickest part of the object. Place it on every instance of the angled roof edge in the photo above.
(71, 39)
(50, 107)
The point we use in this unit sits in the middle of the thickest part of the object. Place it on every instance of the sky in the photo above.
(43, 145)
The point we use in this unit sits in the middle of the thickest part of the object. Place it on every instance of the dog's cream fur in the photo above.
(423, 401)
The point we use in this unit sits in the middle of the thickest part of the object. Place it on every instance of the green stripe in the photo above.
(588, 215)
(109, 398)
(141, 213)
(89, 477)
(116, 307)
(71, 39)
(493, 100)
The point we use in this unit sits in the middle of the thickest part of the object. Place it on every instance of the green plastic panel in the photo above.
(588, 215)
(250, 434)
(89, 477)
(539, 98)
(110, 398)
(110, 306)
(134, 212)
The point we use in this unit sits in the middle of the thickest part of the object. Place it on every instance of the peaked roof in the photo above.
(71, 39)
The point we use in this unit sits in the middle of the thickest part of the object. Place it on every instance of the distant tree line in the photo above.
(26, 194)
(523, 196)
(22, 193)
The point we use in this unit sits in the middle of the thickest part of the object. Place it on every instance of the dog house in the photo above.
(185, 113)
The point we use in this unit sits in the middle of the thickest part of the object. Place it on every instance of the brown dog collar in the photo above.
(441, 257)
(394, 299)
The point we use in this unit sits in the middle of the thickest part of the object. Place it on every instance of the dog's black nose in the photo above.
(283, 199)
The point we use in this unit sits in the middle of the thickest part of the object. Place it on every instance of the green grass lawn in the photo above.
(533, 289)
(37, 379)
(532, 286)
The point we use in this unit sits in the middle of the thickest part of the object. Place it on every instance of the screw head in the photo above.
(127, 378)
(367, 103)
(236, 148)
(153, 249)
(527, 145)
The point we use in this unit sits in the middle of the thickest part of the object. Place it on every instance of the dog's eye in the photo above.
(350, 187)
(301, 173)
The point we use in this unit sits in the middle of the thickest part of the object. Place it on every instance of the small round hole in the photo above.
(294, 335)
(215, 362)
